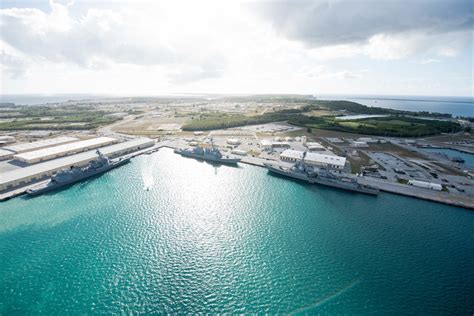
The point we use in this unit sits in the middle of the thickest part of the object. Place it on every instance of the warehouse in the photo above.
(233, 141)
(63, 150)
(25, 147)
(313, 146)
(41, 171)
(5, 154)
(4, 140)
(291, 155)
(315, 159)
(329, 161)
(269, 145)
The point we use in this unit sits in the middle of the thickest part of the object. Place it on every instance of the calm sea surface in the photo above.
(238, 240)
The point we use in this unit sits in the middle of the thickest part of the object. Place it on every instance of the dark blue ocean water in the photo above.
(208, 239)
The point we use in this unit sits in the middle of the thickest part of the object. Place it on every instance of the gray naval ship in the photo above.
(210, 154)
(73, 174)
(322, 176)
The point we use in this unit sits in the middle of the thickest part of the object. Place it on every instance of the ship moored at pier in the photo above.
(210, 154)
(321, 176)
(72, 175)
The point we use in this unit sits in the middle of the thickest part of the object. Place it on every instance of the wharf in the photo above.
(19, 191)
(420, 193)
(253, 161)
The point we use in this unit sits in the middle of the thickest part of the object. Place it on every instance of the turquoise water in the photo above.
(468, 158)
(226, 239)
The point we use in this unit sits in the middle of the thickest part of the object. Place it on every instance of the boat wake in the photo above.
(147, 173)
(327, 298)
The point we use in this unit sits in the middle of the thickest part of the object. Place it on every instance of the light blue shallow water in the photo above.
(206, 239)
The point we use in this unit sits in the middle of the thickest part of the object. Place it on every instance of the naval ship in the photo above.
(210, 154)
(74, 174)
(321, 176)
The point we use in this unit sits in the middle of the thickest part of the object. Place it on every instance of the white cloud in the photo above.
(170, 46)
(379, 29)
(15, 67)
(103, 37)
(429, 61)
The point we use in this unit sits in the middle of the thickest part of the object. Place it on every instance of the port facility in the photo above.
(44, 154)
(41, 171)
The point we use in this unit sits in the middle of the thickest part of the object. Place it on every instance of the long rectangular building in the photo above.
(5, 154)
(315, 159)
(41, 171)
(25, 147)
(63, 150)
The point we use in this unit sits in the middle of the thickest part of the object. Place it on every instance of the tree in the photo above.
(309, 129)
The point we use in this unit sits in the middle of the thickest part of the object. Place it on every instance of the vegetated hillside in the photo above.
(395, 125)
(399, 126)
(357, 108)
(54, 118)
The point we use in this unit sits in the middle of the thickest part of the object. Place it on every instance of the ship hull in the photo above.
(46, 188)
(321, 181)
(230, 161)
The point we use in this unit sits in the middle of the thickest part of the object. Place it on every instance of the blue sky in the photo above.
(417, 47)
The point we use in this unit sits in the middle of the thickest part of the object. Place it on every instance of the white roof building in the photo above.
(315, 159)
(367, 139)
(5, 154)
(331, 161)
(40, 171)
(63, 150)
(359, 144)
(25, 147)
(233, 141)
(291, 155)
(314, 146)
(6, 140)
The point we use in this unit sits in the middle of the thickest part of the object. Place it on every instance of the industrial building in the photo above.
(4, 140)
(41, 171)
(315, 159)
(291, 155)
(63, 150)
(359, 144)
(314, 146)
(5, 154)
(323, 160)
(268, 144)
(233, 141)
(26, 147)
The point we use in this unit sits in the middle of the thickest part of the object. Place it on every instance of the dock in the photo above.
(19, 191)
(421, 193)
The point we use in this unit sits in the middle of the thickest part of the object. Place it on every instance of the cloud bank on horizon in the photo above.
(308, 46)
